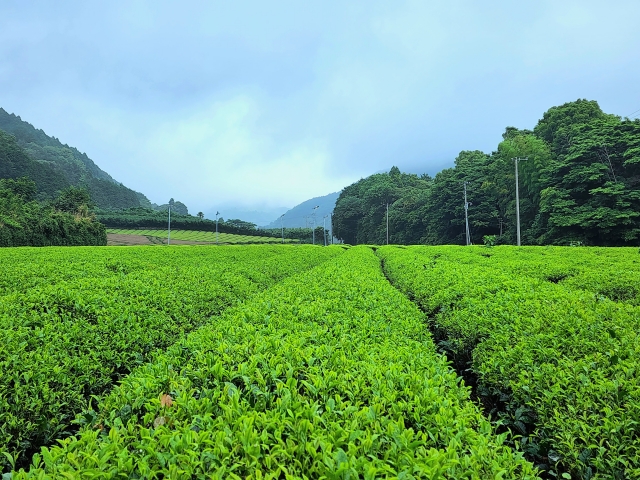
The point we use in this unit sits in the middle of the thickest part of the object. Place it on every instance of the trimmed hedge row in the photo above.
(75, 321)
(327, 375)
(201, 236)
(559, 363)
(608, 272)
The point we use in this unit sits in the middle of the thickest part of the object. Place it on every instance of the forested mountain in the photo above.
(303, 215)
(15, 163)
(55, 166)
(580, 183)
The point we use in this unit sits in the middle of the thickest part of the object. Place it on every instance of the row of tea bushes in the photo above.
(612, 273)
(560, 363)
(202, 236)
(74, 321)
(328, 375)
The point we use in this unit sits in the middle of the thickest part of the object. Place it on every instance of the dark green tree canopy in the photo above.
(556, 125)
(360, 215)
(26, 222)
(578, 177)
(72, 199)
(23, 187)
(177, 207)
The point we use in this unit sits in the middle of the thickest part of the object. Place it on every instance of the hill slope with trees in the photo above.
(579, 184)
(55, 166)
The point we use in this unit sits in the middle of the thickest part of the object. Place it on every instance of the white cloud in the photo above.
(272, 104)
(219, 154)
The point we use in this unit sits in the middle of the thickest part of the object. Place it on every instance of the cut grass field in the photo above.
(156, 236)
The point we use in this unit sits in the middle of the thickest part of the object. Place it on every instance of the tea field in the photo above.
(201, 236)
(282, 361)
(550, 338)
(75, 321)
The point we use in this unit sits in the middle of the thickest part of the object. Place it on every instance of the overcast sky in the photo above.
(265, 104)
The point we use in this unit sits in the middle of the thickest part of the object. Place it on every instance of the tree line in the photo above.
(579, 184)
(140, 217)
(66, 220)
(145, 218)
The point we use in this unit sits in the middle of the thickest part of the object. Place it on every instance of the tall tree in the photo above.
(533, 172)
(445, 220)
(556, 125)
(360, 215)
(593, 190)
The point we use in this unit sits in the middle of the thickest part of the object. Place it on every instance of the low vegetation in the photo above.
(199, 236)
(76, 321)
(279, 361)
(551, 338)
(330, 374)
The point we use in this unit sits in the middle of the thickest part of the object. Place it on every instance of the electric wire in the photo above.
(634, 113)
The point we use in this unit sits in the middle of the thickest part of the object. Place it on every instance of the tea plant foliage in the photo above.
(75, 322)
(330, 374)
(551, 335)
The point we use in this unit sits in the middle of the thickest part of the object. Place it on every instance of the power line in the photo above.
(633, 113)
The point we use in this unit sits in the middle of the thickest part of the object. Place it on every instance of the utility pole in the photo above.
(466, 215)
(282, 226)
(516, 160)
(217, 213)
(324, 229)
(331, 225)
(313, 234)
(169, 230)
(387, 223)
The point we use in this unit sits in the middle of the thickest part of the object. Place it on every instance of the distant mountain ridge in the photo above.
(55, 166)
(258, 216)
(304, 215)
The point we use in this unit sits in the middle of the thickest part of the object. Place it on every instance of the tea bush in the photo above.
(75, 321)
(327, 375)
(559, 361)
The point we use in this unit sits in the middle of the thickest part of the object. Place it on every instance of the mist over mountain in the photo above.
(302, 215)
(258, 216)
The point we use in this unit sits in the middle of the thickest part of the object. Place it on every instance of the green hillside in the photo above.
(16, 163)
(30, 152)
